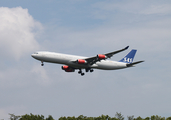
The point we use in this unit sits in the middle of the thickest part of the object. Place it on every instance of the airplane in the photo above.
(73, 62)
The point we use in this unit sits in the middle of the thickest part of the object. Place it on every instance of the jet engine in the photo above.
(101, 56)
(67, 68)
(81, 61)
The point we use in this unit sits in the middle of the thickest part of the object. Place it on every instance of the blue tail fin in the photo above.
(129, 57)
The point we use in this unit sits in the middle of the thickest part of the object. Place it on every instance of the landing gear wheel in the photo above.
(91, 70)
(82, 74)
(86, 70)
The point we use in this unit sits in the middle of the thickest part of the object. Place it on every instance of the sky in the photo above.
(85, 28)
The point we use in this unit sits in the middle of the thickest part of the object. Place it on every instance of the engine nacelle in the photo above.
(101, 56)
(81, 61)
(72, 70)
(67, 68)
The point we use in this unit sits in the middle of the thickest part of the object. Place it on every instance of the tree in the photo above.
(32, 117)
(157, 117)
(14, 117)
(50, 118)
(130, 117)
(62, 118)
(104, 117)
(169, 118)
(147, 118)
(81, 117)
(119, 116)
(113, 118)
(138, 118)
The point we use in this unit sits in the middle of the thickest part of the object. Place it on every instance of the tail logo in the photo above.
(128, 60)
(129, 57)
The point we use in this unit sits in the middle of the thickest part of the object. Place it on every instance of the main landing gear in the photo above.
(88, 69)
(80, 72)
(91, 70)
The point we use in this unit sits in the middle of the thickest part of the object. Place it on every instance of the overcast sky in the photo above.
(86, 28)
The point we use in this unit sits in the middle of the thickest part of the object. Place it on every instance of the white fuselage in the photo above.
(69, 60)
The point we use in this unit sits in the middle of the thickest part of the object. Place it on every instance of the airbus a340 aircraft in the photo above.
(73, 62)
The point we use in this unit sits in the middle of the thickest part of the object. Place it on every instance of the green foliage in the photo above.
(157, 117)
(147, 118)
(62, 118)
(14, 117)
(112, 118)
(169, 118)
(81, 117)
(32, 117)
(102, 117)
(50, 118)
(138, 118)
(118, 116)
(130, 117)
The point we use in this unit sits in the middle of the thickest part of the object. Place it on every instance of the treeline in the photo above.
(30, 117)
(118, 116)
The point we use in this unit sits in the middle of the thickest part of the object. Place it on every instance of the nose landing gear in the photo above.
(42, 63)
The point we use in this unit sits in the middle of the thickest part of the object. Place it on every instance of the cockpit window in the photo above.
(36, 53)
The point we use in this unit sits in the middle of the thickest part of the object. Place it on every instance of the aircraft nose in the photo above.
(33, 55)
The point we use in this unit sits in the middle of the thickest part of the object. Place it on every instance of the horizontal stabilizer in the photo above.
(131, 64)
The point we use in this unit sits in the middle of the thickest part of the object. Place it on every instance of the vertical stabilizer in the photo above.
(129, 57)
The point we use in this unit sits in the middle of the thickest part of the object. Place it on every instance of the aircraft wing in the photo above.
(92, 60)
